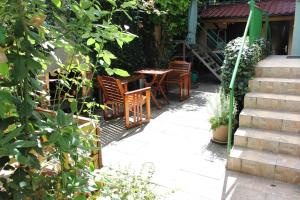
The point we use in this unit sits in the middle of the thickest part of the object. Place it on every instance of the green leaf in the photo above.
(121, 72)
(19, 71)
(19, 28)
(64, 144)
(120, 43)
(80, 198)
(109, 71)
(5, 123)
(90, 41)
(33, 65)
(98, 48)
(107, 59)
(26, 109)
(2, 35)
(57, 3)
(54, 137)
(11, 135)
(36, 85)
(61, 120)
(73, 105)
(112, 2)
(107, 56)
(85, 4)
(129, 4)
(4, 69)
(24, 144)
(127, 37)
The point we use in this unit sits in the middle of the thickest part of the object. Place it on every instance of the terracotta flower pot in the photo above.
(220, 135)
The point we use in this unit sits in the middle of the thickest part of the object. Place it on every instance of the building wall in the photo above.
(281, 32)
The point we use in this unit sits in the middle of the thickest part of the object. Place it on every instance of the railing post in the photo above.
(256, 23)
(230, 124)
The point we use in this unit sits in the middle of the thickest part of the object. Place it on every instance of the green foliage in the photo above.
(250, 57)
(125, 184)
(46, 156)
(219, 109)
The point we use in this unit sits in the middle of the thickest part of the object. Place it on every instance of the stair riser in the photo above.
(278, 72)
(272, 104)
(267, 145)
(269, 123)
(289, 175)
(275, 87)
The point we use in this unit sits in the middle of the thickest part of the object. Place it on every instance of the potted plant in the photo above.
(219, 109)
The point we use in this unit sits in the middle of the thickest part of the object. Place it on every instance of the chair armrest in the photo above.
(138, 91)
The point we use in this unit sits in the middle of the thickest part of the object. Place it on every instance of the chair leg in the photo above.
(126, 112)
(180, 91)
(105, 115)
(148, 106)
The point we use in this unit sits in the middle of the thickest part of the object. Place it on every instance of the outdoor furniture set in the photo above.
(121, 102)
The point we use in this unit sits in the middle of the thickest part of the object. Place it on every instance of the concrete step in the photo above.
(278, 67)
(277, 72)
(266, 140)
(275, 85)
(268, 101)
(270, 120)
(281, 167)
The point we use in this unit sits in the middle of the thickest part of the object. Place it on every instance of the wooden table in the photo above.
(129, 79)
(158, 75)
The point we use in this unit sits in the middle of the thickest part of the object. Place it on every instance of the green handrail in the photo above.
(254, 27)
(232, 83)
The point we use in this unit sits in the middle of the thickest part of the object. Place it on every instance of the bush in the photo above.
(124, 184)
(250, 57)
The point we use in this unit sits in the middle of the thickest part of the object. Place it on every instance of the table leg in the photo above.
(150, 84)
(159, 87)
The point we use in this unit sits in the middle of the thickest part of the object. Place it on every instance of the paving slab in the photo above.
(188, 166)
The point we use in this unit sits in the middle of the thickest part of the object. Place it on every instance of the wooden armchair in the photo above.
(180, 75)
(120, 102)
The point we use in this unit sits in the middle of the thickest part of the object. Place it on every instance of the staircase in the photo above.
(267, 143)
(208, 58)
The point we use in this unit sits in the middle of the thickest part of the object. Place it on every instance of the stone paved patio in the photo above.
(187, 165)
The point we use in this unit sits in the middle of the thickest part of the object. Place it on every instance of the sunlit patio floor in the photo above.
(188, 166)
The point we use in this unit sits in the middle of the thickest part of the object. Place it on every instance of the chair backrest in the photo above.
(112, 89)
(181, 66)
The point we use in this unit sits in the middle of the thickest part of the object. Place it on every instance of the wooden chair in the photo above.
(180, 75)
(120, 102)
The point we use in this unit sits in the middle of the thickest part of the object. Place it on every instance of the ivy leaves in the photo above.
(250, 56)
(57, 3)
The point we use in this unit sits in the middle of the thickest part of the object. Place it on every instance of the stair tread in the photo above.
(273, 96)
(293, 116)
(283, 80)
(265, 157)
(269, 135)
(279, 61)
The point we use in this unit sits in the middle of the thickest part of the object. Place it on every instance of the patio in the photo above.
(176, 143)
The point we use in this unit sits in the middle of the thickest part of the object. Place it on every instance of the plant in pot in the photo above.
(219, 108)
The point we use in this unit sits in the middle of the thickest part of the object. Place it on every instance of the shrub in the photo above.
(250, 57)
(125, 184)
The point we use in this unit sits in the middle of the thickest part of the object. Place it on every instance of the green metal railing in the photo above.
(254, 26)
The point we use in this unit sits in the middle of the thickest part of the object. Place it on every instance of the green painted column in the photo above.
(296, 34)
(192, 22)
